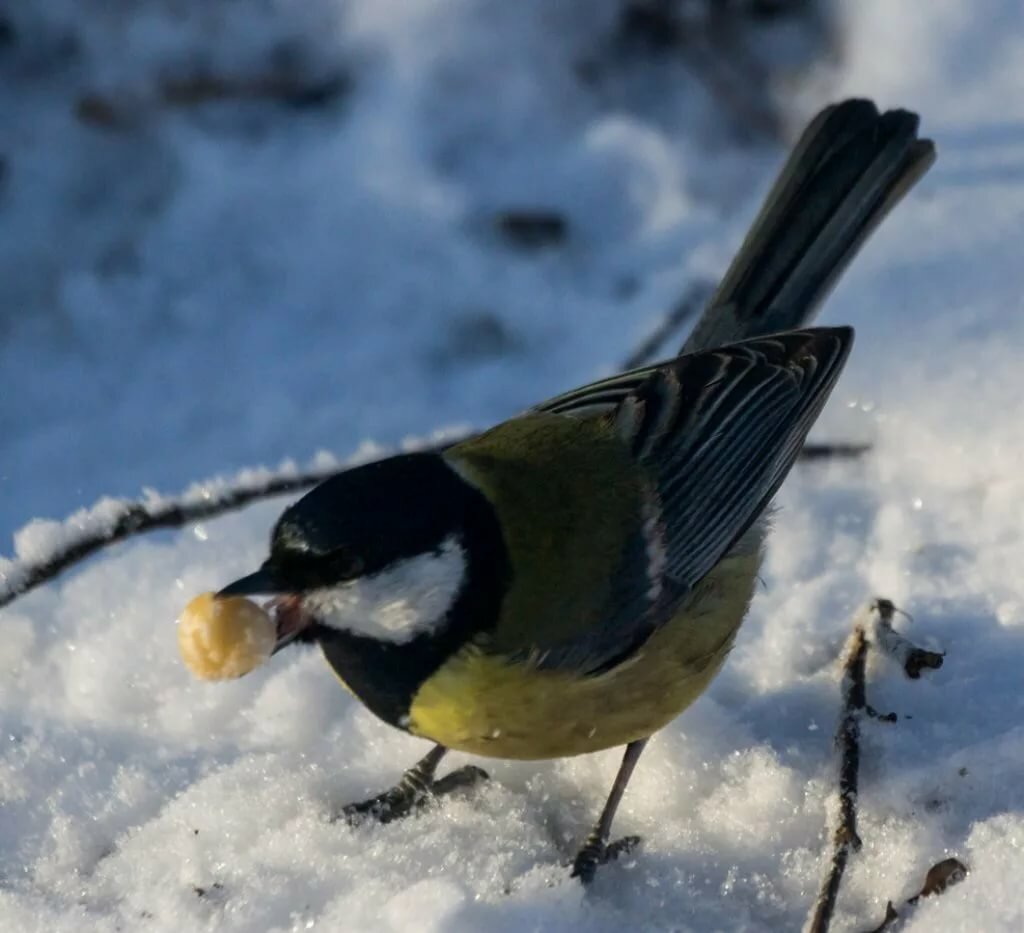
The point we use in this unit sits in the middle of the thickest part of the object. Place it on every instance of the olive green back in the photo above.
(556, 483)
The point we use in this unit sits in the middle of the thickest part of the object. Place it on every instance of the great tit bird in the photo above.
(572, 579)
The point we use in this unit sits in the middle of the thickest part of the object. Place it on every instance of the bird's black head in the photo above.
(380, 548)
(364, 520)
(391, 567)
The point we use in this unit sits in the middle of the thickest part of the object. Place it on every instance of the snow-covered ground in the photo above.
(201, 290)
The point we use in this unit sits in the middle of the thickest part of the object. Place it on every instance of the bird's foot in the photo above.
(596, 852)
(412, 793)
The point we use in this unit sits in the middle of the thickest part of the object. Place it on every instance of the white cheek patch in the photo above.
(400, 602)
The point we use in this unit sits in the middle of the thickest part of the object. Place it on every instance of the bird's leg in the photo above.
(597, 850)
(416, 788)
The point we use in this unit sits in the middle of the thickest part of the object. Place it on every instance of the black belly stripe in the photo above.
(384, 676)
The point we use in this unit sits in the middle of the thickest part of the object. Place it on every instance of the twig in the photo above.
(941, 877)
(872, 629)
(115, 522)
(844, 836)
(124, 520)
(112, 522)
(912, 659)
(693, 300)
(833, 451)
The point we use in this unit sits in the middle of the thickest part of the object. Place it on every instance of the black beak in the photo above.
(262, 582)
(286, 607)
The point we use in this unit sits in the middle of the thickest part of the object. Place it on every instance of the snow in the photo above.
(213, 288)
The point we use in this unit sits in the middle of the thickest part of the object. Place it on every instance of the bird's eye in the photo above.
(343, 563)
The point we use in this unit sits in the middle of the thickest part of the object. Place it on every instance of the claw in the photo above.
(411, 794)
(391, 805)
(460, 779)
(596, 853)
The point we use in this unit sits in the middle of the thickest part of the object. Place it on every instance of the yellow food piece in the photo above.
(224, 638)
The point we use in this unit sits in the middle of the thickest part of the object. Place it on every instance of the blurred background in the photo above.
(240, 231)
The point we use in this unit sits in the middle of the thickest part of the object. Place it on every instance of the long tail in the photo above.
(850, 167)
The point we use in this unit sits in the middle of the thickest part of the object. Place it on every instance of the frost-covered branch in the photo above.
(844, 834)
(872, 629)
(46, 549)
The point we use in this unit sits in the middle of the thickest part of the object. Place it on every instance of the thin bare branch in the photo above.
(912, 659)
(133, 518)
(844, 834)
(872, 629)
(812, 452)
(123, 520)
(692, 301)
(941, 877)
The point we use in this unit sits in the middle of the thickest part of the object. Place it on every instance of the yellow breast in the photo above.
(488, 705)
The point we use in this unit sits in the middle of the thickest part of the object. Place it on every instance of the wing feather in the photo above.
(596, 398)
(719, 431)
(714, 434)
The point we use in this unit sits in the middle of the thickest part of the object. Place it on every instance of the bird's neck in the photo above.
(384, 674)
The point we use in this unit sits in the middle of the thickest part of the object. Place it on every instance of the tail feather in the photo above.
(850, 167)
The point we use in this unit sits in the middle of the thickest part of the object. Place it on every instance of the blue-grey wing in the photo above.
(715, 434)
